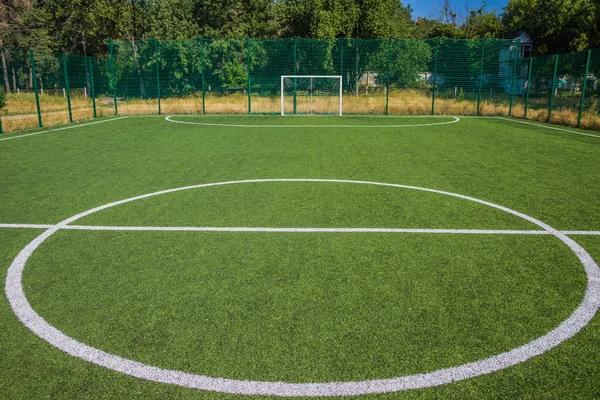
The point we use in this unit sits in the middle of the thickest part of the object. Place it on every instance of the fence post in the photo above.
(342, 59)
(480, 79)
(64, 61)
(387, 88)
(248, 62)
(528, 87)
(1, 131)
(92, 85)
(582, 101)
(112, 73)
(553, 89)
(437, 43)
(358, 78)
(512, 82)
(35, 87)
(157, 62)
(295, 70)
(202, 73)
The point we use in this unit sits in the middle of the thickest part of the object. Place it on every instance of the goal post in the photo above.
(311, 94)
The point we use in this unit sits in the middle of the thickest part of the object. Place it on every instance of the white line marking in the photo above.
(456, 119)
(565, 330)
(590, 233)
(293, 230)
(302, 230)
(26, 226)
(547, 126)
(62, 129)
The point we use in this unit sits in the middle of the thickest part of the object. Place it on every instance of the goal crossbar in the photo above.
(284, 77)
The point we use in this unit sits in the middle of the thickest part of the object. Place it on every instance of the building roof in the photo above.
(525, 39)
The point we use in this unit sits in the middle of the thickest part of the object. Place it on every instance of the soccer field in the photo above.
(230, 257)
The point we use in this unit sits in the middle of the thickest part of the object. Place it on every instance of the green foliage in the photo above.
(430, 28)
(407, 60)
(384, 19)
(345, 18)
(172, 20)
(447, 31)
(228, 61)
(318, 18)
(555, 26)
(225, 19)
(483, 24)
(180, 66)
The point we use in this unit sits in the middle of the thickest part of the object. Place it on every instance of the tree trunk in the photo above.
(88, 86)
(357, 75)
(14, 80)
(4, 70)
(138, 69)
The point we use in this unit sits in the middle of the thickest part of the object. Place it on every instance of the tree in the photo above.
(554, 26)
(317, 18)
(447, 14)
(130, 20)
(227, 19)
(482, 24)
(77, 26)
(407, 60)
(10, 16)
(172, 20)
(384, 19)
(345, 18)
(431, 28)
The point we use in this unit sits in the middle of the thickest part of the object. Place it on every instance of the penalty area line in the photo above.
(455, 120)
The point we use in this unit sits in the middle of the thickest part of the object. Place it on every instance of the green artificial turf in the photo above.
(307, 204)
(300, 307)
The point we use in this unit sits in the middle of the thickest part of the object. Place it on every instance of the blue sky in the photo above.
(427, 8)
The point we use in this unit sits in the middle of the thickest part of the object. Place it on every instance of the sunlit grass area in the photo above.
(188, 281)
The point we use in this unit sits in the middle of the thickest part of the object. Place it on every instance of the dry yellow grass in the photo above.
(24, 103)
(21, 110)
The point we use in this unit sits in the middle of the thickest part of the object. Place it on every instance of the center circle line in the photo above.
(565, 330)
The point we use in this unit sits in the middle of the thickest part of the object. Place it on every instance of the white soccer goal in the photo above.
(311, 94)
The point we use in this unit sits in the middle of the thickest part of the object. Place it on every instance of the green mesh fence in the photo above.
(240, 76)
(590, 110)
(540, 87)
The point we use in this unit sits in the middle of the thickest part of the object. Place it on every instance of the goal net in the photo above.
(311, 94)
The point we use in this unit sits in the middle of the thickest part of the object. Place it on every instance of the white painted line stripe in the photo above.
(26, 226)
(456, 119)
(547, 127)
(590, 233)
(64, 128)
(303, 230)
(293, 230)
